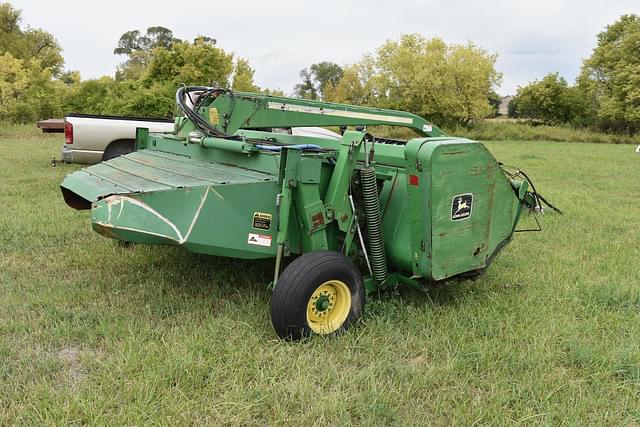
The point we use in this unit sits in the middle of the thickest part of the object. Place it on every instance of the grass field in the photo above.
(93, 333)
(506, 129)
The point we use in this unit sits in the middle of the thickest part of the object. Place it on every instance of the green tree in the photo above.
(128, 43)
(133, 41)
(27, 90)
(197, 63)
(95, 96)
(350, 88)
(272, 92)
(446, 83)
(495, 101)
(30, 61)
(609, 82)
(70, 77)
(135, 99)
(28, 44)
(319, 79)
(550, 100)
(158, 63)
(306, 89)
(327, 75)
(13, 82)
(243, 77)
(139, 50)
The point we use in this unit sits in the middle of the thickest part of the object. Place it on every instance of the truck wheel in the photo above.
(117, 149)
(318, 293)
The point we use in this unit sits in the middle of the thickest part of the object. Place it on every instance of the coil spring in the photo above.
(377, 255)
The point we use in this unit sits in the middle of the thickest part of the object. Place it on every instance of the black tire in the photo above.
(118, 148)
(317, 284)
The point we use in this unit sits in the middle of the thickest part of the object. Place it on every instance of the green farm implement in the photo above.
(346, 212)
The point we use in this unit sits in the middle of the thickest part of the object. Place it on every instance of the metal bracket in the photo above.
(337, 192)
(287, 180)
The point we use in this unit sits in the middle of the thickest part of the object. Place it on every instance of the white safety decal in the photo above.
(338, 113)
(259, 240)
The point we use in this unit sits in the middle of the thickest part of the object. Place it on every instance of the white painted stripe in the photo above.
(338, 113)
(151, 233)
(118, 199)
(197, 214)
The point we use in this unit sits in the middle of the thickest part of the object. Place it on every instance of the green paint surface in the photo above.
(203, 192)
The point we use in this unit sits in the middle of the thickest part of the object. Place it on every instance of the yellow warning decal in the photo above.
(261, 221)
(214, 117)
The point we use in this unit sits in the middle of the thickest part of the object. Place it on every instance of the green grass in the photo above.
(515, 130)
(92, 333)
(505, 130)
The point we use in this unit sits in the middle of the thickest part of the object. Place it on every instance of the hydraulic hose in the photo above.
(191, 112)
(278, 148)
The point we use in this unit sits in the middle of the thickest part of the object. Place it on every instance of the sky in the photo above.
(279, 38)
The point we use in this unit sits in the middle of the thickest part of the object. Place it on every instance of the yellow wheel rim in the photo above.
(328, 307)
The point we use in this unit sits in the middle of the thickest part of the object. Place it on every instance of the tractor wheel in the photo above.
(318, 293)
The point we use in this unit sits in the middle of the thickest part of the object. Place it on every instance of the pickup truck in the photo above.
(93, 138)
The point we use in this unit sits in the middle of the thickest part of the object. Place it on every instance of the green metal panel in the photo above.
(147, 171)
(465, 180)
(418, 218)
(395, 221)
(337, 194)
(211, 219)
(231, 197)
(161, 198)
(249, 110)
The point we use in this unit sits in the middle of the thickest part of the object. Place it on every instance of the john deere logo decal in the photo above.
(461, 206)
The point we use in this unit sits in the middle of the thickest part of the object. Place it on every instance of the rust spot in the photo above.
(104, 231)
(317, 220)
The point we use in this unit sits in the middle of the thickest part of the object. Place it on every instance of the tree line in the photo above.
(450, 84)
(606, 94)
(35, 85)
(455, 84)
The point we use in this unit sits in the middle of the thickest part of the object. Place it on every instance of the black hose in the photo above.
(548, 204)
(540, 200)
(191, 112)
